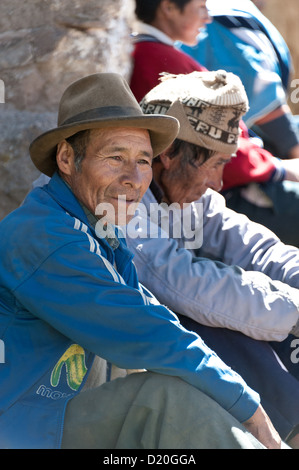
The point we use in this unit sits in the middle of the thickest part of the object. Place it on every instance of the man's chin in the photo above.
(123, 217)
(119, 213)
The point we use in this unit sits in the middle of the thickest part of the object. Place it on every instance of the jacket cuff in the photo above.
(279, 172)
(246, 405)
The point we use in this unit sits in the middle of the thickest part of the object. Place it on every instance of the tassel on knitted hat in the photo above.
(208, 105)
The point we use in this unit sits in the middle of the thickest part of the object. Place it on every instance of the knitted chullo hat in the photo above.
(208, 105)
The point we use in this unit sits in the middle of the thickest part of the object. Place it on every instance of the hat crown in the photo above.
(91, 97)
(208, 105)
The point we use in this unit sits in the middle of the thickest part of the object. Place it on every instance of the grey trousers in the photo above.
(151, 411)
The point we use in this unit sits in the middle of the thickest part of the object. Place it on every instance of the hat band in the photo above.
(105, 112)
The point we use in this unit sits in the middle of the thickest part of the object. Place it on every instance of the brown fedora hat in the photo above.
(98, 101)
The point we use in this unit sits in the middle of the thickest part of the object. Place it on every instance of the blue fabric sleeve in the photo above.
(282, 132)
(85, 299)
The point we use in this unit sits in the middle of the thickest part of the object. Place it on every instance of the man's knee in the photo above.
(169, 390)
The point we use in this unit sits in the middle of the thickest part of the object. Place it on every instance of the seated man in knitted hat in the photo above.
(232, 276)
(73, 314)
(256, 183)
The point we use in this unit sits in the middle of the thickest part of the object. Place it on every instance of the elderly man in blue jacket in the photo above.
(73, 314)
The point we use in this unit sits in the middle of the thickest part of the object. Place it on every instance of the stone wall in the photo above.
(44, 46)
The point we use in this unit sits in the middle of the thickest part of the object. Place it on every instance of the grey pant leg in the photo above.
(151, 411)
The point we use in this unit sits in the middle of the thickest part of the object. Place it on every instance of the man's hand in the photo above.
(263, 430)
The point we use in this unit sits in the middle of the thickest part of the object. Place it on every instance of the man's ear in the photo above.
(167, 7)
(65, 157)
(164, 159)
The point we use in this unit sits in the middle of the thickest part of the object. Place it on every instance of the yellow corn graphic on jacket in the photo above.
(74, 361)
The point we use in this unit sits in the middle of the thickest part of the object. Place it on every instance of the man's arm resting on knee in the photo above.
(262, 429)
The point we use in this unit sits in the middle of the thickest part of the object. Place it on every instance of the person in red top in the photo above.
(163, 57)
(150, 57)
(161, 24)
(254, 182)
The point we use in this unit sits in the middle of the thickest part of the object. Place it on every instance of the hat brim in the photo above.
(162, 129)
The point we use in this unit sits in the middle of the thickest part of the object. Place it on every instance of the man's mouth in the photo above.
(127, 199)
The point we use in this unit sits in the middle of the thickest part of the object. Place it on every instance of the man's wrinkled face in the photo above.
(117, 167)
(187, 183)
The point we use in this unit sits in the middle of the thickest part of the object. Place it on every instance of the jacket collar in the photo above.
(146, 29)
(62, 193)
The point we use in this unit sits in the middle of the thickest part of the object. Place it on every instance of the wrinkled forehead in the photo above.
(115, 131)
(121, 138)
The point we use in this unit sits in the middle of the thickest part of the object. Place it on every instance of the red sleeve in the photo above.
(251, 164)
(152, 58)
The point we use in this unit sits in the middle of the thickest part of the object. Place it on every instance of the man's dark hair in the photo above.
(192, 154)
(145, 10)
(79, 142)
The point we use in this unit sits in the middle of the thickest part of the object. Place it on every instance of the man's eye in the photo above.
(221, 163)
(145, 162)
(115, 157)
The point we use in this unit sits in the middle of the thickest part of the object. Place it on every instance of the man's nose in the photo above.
(215, 181)
(205, 16)
(132, 177)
